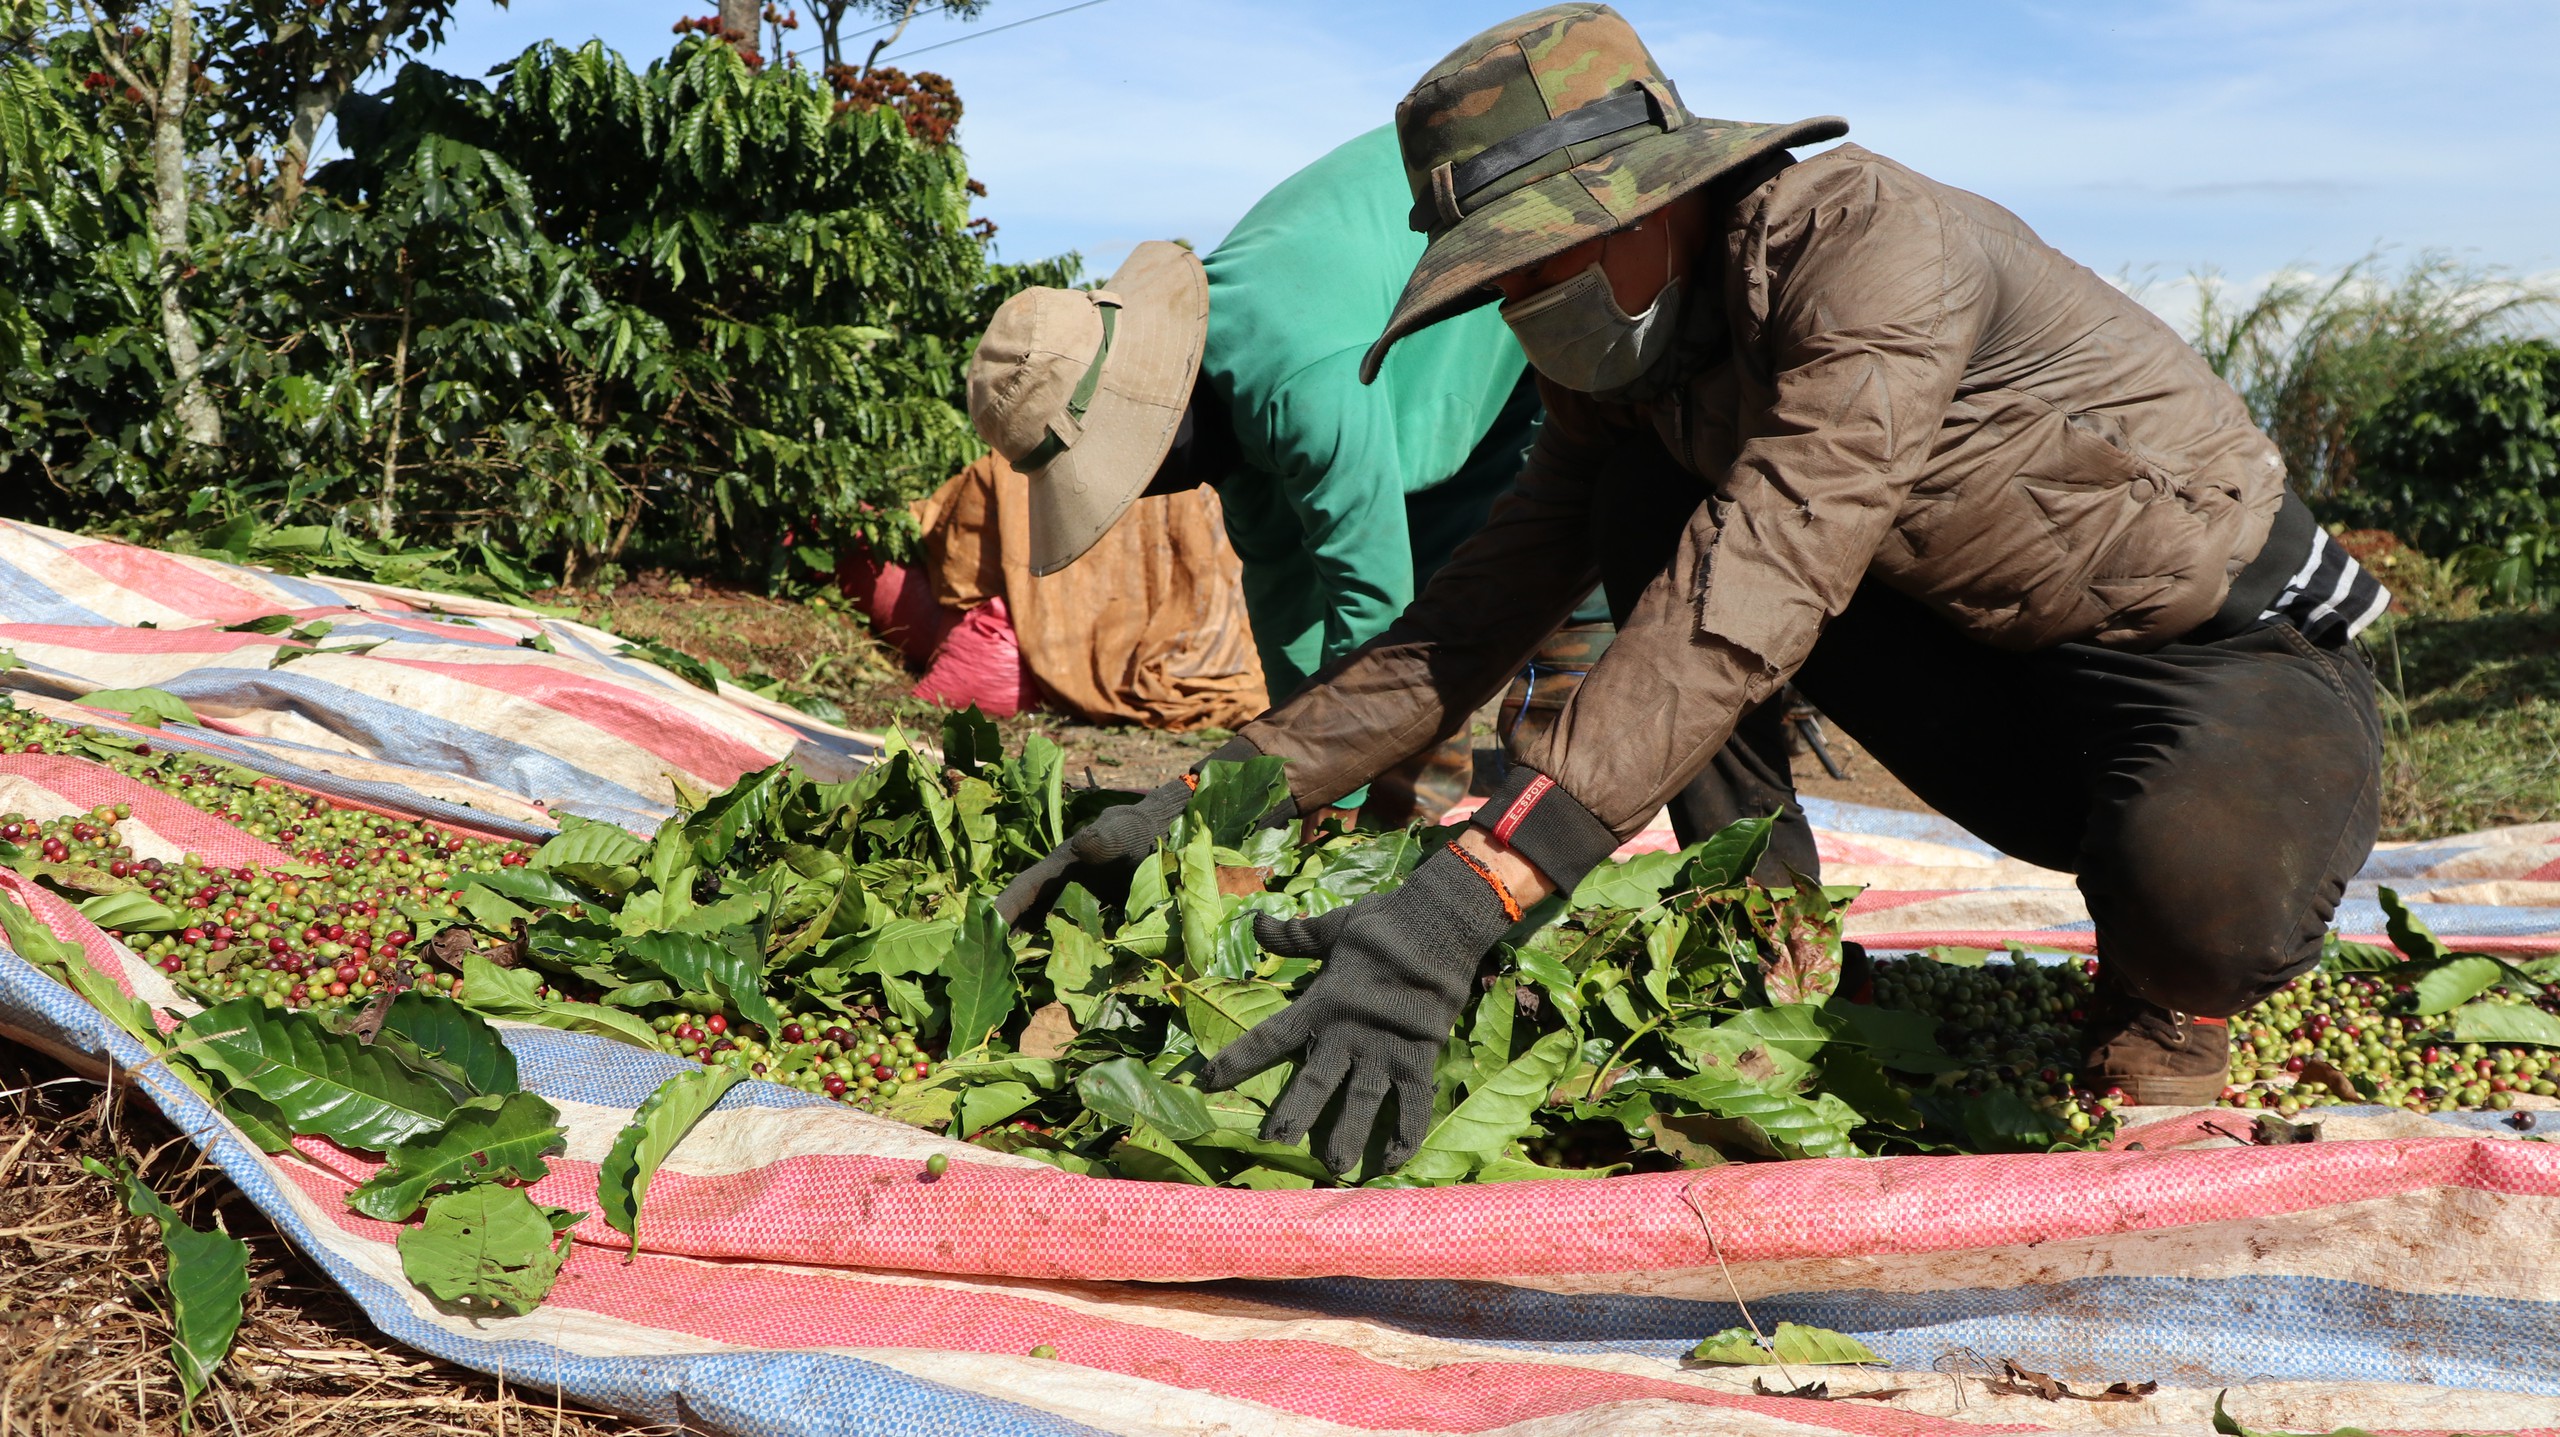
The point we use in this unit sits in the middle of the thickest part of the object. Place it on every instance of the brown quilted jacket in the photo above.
(1882, 375)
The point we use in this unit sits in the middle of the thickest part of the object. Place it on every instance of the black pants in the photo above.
(2213, 798)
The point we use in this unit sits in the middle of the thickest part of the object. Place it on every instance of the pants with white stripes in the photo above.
(2212, 797)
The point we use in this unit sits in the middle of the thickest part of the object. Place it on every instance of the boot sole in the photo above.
(2159, 1090)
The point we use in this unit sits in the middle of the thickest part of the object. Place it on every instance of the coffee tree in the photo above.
(588, 314)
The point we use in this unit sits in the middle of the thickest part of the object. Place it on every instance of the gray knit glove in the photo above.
(1113, 843)
(1397, 970)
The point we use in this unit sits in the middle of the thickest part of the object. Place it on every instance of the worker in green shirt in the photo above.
(1244, 372)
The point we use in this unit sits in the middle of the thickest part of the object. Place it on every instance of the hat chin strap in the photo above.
(1047, 451)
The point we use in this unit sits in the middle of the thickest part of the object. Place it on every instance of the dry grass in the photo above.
(83, 1346)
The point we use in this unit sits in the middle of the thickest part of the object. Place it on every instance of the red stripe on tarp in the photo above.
(981, 1219)
(170, 582)
(758, 1307)
(90, 784)
(92, 639)
(628, 714)
(1872, 900)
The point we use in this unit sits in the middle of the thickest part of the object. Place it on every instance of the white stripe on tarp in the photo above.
(2451, 1242)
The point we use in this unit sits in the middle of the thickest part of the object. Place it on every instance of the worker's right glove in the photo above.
(1111, 845)
(1397, 970)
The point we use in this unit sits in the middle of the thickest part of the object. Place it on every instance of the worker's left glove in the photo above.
(1111, 845)
(1397, 970)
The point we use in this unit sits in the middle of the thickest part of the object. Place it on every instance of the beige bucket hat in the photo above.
(1082, 390)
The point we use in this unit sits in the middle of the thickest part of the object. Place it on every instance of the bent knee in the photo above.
(2213, 953)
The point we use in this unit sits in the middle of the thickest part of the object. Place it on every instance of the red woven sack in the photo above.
(980, 662)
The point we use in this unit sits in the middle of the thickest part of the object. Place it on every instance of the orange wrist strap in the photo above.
(1502, 891)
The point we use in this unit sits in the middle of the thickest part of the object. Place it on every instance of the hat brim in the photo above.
(1128, 429)
(1545, 218)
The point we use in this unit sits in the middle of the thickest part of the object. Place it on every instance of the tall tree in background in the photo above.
(127, 51)
(288, 64)
(895, 15)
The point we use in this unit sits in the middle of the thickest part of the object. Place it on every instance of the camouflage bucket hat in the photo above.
(1543, 132)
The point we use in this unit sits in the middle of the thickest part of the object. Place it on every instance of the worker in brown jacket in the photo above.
(1831, 421)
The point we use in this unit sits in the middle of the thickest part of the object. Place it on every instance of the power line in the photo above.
(940, 5)
(993, 30)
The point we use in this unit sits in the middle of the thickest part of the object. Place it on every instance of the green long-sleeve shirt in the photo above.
(1318, 513)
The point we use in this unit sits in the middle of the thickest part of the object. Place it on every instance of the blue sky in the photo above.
(2248, 135)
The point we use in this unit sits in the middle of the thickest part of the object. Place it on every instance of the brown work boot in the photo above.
(2157, 1057)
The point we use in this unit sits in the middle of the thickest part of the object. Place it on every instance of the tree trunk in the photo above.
(744, 22)
(387, 506)
(313, 107)
(906, 17)
(199, 422)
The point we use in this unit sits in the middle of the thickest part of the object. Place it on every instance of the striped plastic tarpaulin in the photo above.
(800, 1272)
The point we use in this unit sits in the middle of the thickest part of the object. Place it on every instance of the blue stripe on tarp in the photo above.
(26, 599)
(2180, 1332)
(312, 595)
(605, 1073)
(1855, 818)
(377, 726)
(232, 748)
(750, 1393)
(2474, 920)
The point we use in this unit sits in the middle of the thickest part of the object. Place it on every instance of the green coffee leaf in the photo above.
(1124, 1091)
(208, 1279)
(509, 993)
(602, 856)
(2456, 982)
(726, 970)
(131, 912)
(486, 1250)
(524, 885)
(1631, 883)
(488, 1139)
(1483, 1127)
(657, 1125)
(986, 1104)
(903, 946)
(2407, 932)
(2505, 1023)
(1792, 1345)
(1202, 908)
(741, 809)
(147, 707)
(355, 1094)
(979, 971)
(460, 1037)
(1230, 799)
(65, 960)
(1729, 855)
(1152, 1155)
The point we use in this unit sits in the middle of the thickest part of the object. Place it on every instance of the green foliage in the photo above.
(2464, 462)
(1646, 1011)
(208, 1279)
(486, 1250)
(2313, 357)
(488, 1139)
(358, 1094)
(657, 1125)
(1792, 1345)
(587, 313)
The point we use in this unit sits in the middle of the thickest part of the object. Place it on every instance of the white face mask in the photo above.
(1575, 334)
